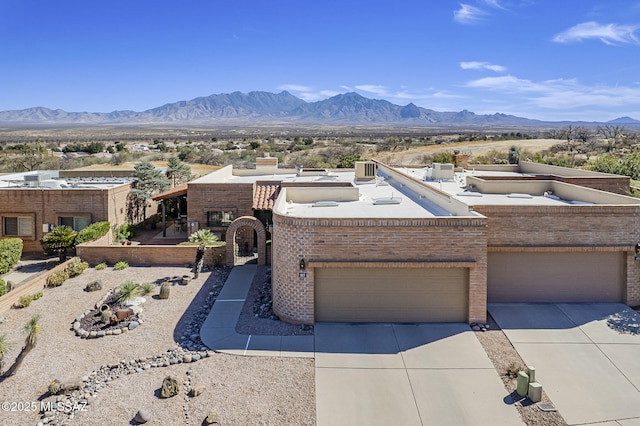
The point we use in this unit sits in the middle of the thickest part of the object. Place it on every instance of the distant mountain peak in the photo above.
(624, 120)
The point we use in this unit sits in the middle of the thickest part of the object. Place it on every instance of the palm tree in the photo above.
(31, 329)
(203, 237)
(59, 240)
(5, 345)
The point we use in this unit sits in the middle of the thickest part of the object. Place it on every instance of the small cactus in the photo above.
(165, 289)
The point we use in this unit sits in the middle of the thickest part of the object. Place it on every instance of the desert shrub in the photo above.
(3, 287)
(128, 290)
(76, 267)
(443, 157)
(147, 288)
(24, 301)
(57, 278)
(37, 295)
(93, 232)
(101, 266)
(513, 369)
(120, 265)
(10, 253)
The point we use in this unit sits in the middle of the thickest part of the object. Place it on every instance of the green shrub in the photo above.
(10, 253)
(120, 265)
(37, 295)
(204, 237)
(128, 290)
(101, 266)
(123, 232)
(76, 267)
(147, 288)
(3, 287)
(93, 232)
(57, 278)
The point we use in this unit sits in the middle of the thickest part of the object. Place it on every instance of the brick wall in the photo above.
(204, 197)
(47, 205)
(570, 228)
(148, 254)
(437, 242)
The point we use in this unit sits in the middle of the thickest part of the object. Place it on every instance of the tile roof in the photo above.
(265, 195)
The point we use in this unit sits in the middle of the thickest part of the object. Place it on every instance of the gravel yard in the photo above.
(122, 374)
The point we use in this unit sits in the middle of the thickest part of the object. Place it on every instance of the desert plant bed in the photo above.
(90, 324)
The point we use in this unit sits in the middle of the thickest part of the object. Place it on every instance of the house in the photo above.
(431, 244)
(35, 202)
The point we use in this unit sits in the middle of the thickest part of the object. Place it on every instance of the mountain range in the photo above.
(262, 108)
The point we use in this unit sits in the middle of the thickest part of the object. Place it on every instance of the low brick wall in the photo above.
(148, 254)
(33, 286)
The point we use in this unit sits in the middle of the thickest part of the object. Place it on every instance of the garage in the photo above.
(556, 277)
(391, 295)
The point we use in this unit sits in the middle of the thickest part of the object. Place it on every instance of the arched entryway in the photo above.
(260, 234)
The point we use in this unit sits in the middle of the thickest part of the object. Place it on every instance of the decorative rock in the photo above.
(170, 387)
(476, 328)
(94, 286)
(123, 314)
(197, 390)
(212, 417)
(117, 331)
(93, 334)
(186, 358)
(101, 333)
(133, 324)
(196, 357)
(142, 417)
(135, 302)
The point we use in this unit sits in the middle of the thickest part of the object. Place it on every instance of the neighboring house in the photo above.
(425, 244)
(35, 202)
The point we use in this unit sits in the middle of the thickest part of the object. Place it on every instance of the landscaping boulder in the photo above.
(212, 417)
(10, 286)
(170, 387)
(122, 314)
(197, 390)
(142, 417)
(94, 286)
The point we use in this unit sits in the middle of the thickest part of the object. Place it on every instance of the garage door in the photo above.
(391, 295)
(555, 277)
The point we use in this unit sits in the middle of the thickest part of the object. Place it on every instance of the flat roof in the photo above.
(516, 192)
(49, 179)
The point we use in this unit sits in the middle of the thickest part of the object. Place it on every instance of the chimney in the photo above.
(267, 165)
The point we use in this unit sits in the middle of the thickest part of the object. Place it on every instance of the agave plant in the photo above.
(128, 290)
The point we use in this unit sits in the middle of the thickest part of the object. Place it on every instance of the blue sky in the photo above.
(544, 59)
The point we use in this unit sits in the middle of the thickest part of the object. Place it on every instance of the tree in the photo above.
(203, 237)
(32, 156)
(149, 182)
(612, 135)
(348, 161)
(58, 241)
(177, 171)
(5, 345)
(31, 329)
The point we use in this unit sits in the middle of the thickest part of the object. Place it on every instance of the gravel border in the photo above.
(504, 357)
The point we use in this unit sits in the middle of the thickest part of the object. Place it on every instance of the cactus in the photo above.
(105, 316)
(165, 289)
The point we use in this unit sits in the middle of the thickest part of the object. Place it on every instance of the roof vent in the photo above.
(325, 204)
(517, 195)
(386, 201)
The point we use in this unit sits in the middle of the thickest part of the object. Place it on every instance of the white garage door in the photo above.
(391, 295)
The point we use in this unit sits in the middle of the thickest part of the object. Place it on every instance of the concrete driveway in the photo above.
(590, 371)
(407, 374)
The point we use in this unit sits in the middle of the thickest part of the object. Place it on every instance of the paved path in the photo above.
(590, 371)
(376, 374)
(218, 331)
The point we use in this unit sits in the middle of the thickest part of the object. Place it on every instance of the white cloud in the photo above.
(494, 3)
(475, 65)
(308, 93)
(373, 88)
(606, 33)
(468, 14)
(560, 94)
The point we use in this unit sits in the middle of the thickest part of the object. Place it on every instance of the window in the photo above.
(220, 218)
(18, 226)
(78, 223)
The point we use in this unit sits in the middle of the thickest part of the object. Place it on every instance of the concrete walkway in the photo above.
(589, 370)
(376, 374)
(218, 331)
